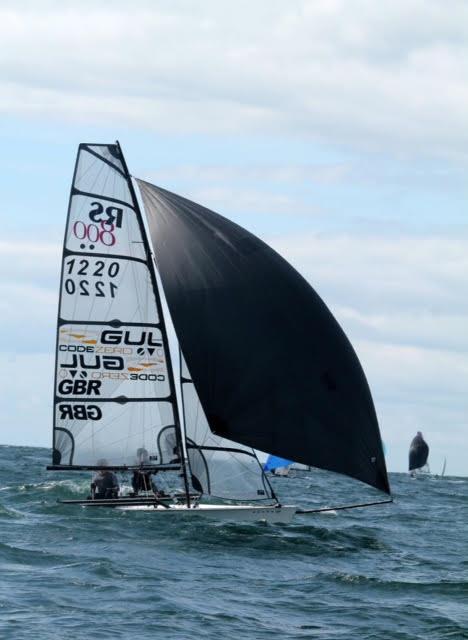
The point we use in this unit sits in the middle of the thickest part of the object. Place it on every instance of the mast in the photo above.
(162, 322)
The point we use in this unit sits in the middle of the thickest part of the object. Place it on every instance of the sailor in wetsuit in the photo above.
(104, 483)
(141, 480)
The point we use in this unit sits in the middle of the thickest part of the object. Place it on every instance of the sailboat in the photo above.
(277, 466)
(298, 469)
(260, 362)
(418, 455)
(444, 467)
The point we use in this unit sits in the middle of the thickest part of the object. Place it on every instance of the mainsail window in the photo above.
(219, 467)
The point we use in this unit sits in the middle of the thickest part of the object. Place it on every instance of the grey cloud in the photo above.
(334, 71)
(405, 290)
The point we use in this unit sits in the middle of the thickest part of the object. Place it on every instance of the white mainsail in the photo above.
(114, 390)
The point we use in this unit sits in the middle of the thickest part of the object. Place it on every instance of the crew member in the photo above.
(104, 483)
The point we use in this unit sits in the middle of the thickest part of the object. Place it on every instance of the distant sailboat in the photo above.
(418, 454)
(277, 466)
(298, 469)
(262, 362)
(444, 467)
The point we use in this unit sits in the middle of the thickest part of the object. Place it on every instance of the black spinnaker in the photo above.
(418, 453)
(271, 365)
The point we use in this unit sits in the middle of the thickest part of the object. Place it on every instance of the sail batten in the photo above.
(271, 365)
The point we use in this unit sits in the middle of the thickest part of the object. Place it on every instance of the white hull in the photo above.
(236, 513)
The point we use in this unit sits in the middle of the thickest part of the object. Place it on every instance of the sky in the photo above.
(336, 131)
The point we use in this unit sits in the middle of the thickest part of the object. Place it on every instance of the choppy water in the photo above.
(397, 571)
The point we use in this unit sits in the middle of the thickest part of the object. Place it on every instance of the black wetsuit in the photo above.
(141, 481)
(105, 485)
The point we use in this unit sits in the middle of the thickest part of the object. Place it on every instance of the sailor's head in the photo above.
(419, 434)
(102, 463)
(142, 455)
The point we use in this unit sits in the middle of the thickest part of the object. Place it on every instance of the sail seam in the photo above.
(117, 399)
(116, 256)
(89, 194)
(111, 323)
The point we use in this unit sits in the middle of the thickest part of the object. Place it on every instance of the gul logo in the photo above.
(109, 363)
(143, 338)
(151, 351)
(82, 338)
(136, 367)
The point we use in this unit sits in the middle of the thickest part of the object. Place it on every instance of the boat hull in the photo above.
(233, 513)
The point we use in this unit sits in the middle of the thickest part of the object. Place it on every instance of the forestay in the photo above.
(219, 467)
(113, 386)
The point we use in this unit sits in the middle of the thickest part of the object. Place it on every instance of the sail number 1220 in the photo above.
(83, 268)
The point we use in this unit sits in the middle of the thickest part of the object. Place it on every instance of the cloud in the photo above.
(30, 273)
(269, 175)
(237, 190)
(422, 273)
(324, 70)
(29, 261)
(27, 381)
(409, 327)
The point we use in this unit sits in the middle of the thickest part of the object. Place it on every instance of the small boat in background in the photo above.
(444, 466)
(277, 466)
(298, 469)
(418, 455)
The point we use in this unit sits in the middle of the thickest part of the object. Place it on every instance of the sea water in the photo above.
(393, 571)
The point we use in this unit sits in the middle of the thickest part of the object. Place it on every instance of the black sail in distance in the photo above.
(418, 453)
(272, 367)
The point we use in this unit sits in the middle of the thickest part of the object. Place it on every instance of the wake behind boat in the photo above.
(261, 362)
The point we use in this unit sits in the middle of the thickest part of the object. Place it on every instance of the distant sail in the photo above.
(418, 453)
(271, 366)
(274, 462)
(114, 390)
